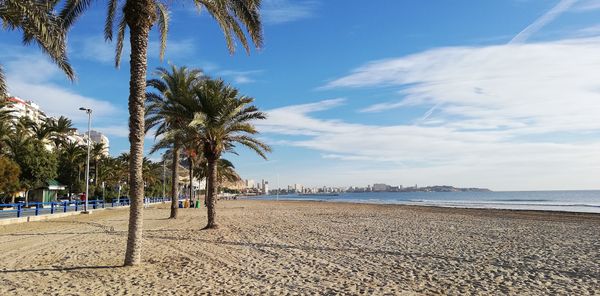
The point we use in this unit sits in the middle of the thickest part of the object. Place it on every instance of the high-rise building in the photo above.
(265, 187)
(380, 187)
(98, 137)
(21, 108)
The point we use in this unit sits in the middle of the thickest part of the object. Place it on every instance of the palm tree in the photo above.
(97, 152)
(170, 110)
(225, 171)
(139, 16)
(19, 136)
(114, 171)
(35, 18)
(61, 129)
(226, 119)
(5, 111)
(6, 122)
(72, 160)
(152, 173)
(40, 130)
(192, 147)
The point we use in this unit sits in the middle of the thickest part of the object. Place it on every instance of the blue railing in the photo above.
(43, 208)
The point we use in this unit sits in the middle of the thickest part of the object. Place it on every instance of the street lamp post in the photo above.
(87, 167)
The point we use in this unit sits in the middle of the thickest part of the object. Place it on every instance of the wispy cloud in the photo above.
(539, 87)
(589, 31)
(587, 5)
(443, 154)
(240, 77)
(383, 106)
(542, 21)
(33, 77)
(284, 11)
(119, 131)
(506, 116)
(94, 48)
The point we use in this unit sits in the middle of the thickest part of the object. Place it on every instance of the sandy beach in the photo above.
(314, 248)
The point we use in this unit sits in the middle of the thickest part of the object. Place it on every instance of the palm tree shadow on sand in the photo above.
(72, 268)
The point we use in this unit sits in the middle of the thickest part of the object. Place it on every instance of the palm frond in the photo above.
(73, 10)
(122, 28)
(110, 19)
(163, 26)
(230, 14)
(39, 24)
(3, 89)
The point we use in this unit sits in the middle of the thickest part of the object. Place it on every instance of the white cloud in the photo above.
(119, 131)
(408, 154)
(587, 5)
(240, 77)
(590, 31)
(283, 11)
(32, 77)
(542, 21)
(530, 88)
(96, 49)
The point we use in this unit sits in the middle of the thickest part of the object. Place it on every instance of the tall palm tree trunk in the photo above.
(174, 183)
(70, 189)
(211, 193)
(96, 172)
(139, 15)
(205, 190)
(191, 168)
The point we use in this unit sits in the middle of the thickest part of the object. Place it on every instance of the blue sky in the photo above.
(498, 94)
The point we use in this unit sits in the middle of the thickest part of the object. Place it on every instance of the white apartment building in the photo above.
(298, 188)
(250, 184)
(29, 109)
(380, 187)
(98, 137)
(265, 187)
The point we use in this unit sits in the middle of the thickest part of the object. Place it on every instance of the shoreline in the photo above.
(594, 214)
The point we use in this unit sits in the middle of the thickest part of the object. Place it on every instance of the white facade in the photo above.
(22, 108)
(380, 187)
(264, 187)
(298, 188)
(29, 109)
(98, 137)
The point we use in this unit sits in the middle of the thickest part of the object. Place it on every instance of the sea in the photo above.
(587, 201)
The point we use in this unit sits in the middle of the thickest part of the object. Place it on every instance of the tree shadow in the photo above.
(56, 233)
(73, 268)
(113, 232)
(583, 274)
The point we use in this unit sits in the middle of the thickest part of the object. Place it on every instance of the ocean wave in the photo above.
(509, 203)
(587, 204)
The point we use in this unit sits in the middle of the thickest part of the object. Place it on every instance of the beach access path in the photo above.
(297, 248)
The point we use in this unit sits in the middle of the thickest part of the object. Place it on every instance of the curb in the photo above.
(9, 221)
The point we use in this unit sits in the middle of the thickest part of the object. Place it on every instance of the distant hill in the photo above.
(444, 188)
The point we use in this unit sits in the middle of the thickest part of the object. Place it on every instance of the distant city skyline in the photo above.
(495, 94)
